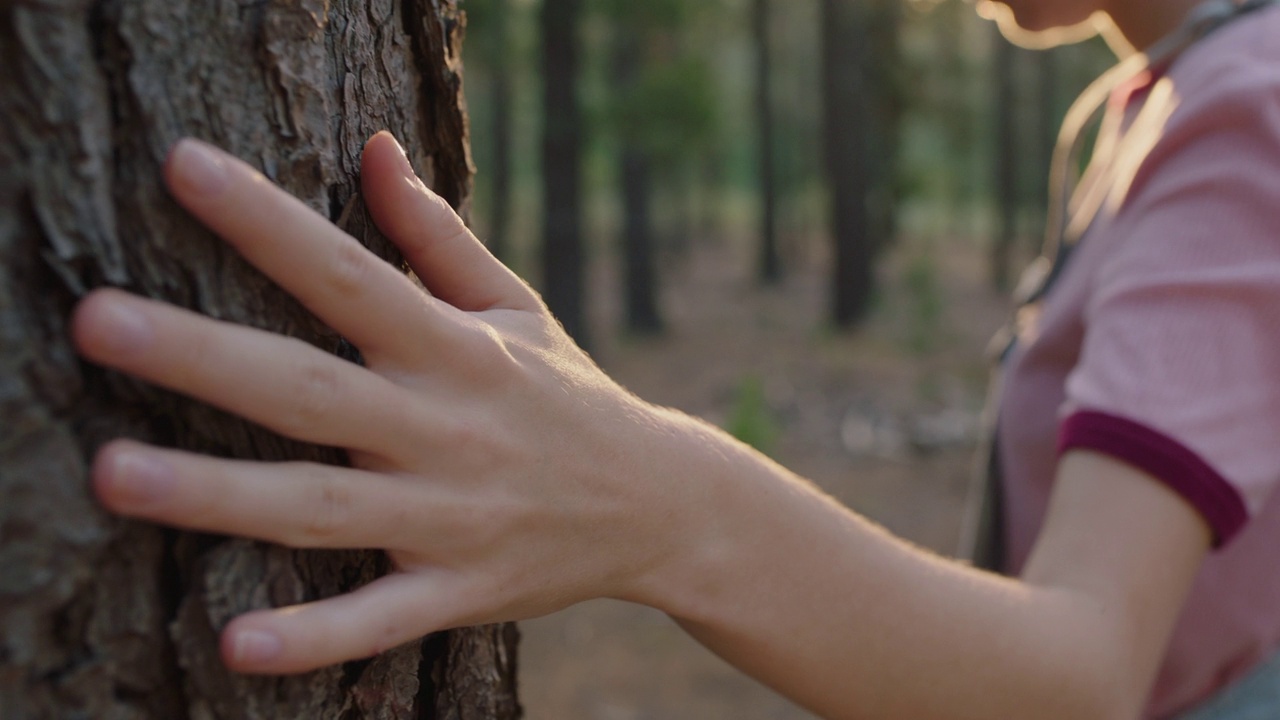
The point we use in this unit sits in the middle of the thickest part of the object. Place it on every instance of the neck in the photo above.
(1136, 25)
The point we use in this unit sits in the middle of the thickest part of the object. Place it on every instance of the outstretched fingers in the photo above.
(300, 505)
(286, 385)
(368, 301)
(450, 261)
(384, 614)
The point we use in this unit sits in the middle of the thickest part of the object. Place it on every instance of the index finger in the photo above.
(367, 300)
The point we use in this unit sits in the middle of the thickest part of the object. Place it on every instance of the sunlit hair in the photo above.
(1043, 39)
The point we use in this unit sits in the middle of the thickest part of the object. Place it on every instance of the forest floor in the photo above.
(884, 420)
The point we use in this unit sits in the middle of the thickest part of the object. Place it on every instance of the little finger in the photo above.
(384, 614)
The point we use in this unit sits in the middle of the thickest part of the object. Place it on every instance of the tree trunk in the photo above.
(885, 105)
(112, 619)
(635, 174)
(563, 253)
(770, 258)
(845, 129)
(643, 317)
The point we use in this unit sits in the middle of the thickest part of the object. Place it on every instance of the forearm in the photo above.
(851, 622)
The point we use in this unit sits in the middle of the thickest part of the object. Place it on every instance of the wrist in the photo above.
(709, 490)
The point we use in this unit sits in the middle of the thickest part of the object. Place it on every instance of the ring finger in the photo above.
(300, 505)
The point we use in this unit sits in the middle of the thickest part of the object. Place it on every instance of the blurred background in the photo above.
(798, 219)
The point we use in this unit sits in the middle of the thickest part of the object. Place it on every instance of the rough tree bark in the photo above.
(103, 618)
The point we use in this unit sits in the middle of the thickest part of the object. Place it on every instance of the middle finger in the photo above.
(283, 384)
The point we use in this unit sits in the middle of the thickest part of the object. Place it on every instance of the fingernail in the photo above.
(255, 646)
(141, 478)
(199, 168)
(126, 328)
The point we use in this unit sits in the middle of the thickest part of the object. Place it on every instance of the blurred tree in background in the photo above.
(815, 131)
(563, 250)
(846, 132)
(770, 256)
(862, 113)
(493, 41)
(659, 114)
(1033, 90)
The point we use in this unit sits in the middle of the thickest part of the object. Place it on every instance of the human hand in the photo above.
(492, 460)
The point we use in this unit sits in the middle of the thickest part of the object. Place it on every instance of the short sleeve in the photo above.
(1179, 372)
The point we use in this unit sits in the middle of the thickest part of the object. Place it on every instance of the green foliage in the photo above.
(924, 303)
(489, 25)
(687, 100)
(645, 15)
(671, 111)
(660, 92)
(751, 420)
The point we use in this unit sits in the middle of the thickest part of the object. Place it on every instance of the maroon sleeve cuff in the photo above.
(1165, 459)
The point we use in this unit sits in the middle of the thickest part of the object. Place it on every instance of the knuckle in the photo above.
(466, 438)
(441, 213)
(198, 358)
(457, 234)
(328, 512)
(490, 360)
(349, 268)
(482, 526)
(312, 396)
(387, 635)
(399, 411)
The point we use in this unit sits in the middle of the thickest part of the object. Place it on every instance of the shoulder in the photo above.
(1239, 65)
(1211, 127)
(1181, 333)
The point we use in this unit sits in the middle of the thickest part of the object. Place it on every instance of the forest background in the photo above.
(797, 218)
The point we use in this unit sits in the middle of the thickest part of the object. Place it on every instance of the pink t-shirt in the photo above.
(1160, 344)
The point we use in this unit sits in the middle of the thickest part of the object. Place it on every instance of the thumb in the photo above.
(449, 260)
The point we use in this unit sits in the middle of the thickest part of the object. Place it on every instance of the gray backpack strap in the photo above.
(982, 535)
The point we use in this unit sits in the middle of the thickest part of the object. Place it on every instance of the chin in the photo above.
(1026, 24)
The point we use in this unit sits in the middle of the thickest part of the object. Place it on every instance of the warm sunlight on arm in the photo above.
(1080, 637)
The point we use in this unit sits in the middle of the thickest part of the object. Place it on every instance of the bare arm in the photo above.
(856, 623)
(507, 478)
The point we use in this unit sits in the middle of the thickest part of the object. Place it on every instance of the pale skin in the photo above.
(508, 477)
